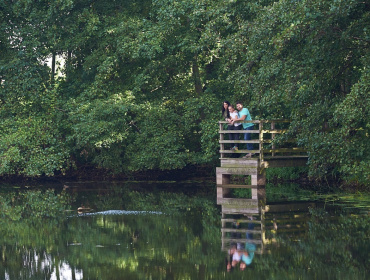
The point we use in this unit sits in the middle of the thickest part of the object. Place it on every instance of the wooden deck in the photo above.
(272, 147)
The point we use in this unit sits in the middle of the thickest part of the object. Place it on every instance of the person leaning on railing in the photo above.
(244, 115)
(225, 112)
(234, 114)
(226, 115)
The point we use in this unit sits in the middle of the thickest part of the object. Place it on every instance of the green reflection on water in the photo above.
(181, 242)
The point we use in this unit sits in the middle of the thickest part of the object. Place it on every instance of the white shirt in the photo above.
(236, 256)
(234, 115)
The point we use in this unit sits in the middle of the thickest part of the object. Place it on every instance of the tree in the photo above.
(307, 61)
(143, 81)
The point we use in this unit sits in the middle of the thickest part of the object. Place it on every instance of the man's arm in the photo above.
(242, 118)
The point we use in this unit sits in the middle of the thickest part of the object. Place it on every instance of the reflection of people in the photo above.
(248, 254)
(244, 115)
(243, 257)
(234, 126)
(234, 257)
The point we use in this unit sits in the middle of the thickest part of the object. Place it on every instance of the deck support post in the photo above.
(222, 179)
(260, 181)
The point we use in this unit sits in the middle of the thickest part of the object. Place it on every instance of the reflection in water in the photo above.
(115, 244)
(242, 232)
(249, 228)
(268, 240)
(242, 243)
(41, 265)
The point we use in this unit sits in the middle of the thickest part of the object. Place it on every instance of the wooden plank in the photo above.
(228, 210)
(238, 202)
(237, 170)
(267, 131)
(267, 141)
(256, 141)
(242, 240)
(285, 150)
(225, 211)
(287, 220)
(252, 164)
(231, 186)
(239, 152)
(239, 162)
(239, 131)
(286, 157)
(238, 230)
(275, 120)
(241, 221)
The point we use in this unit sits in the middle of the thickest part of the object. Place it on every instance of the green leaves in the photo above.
(32, 146)
(301, 61)
(143, 80)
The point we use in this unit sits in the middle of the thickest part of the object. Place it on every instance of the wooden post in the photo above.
(260, 180)
(261, 140)
(222, 137)
(222, 179)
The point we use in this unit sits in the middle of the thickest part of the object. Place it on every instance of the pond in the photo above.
(169, 230)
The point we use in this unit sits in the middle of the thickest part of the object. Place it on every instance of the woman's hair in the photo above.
(223, 108)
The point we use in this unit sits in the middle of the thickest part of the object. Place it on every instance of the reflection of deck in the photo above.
(263, 223)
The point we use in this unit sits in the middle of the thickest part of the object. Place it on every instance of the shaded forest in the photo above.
(127, 86)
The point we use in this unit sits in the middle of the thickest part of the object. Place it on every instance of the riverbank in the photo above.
(89, 173)
(193, 173)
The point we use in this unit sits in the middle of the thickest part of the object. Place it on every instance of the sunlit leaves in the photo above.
(33, 146)
(302, 59)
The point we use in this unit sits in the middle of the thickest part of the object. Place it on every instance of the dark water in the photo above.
(152, 230)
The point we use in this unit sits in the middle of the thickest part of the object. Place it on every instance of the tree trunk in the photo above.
(196, 77)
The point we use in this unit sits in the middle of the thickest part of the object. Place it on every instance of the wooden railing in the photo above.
(264, 134)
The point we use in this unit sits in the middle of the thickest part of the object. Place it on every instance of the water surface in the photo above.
(149, 230)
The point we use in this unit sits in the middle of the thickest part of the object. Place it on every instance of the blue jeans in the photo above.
(234, 136)
(247, 136)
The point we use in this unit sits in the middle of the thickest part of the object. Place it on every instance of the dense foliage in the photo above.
(141, 82)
